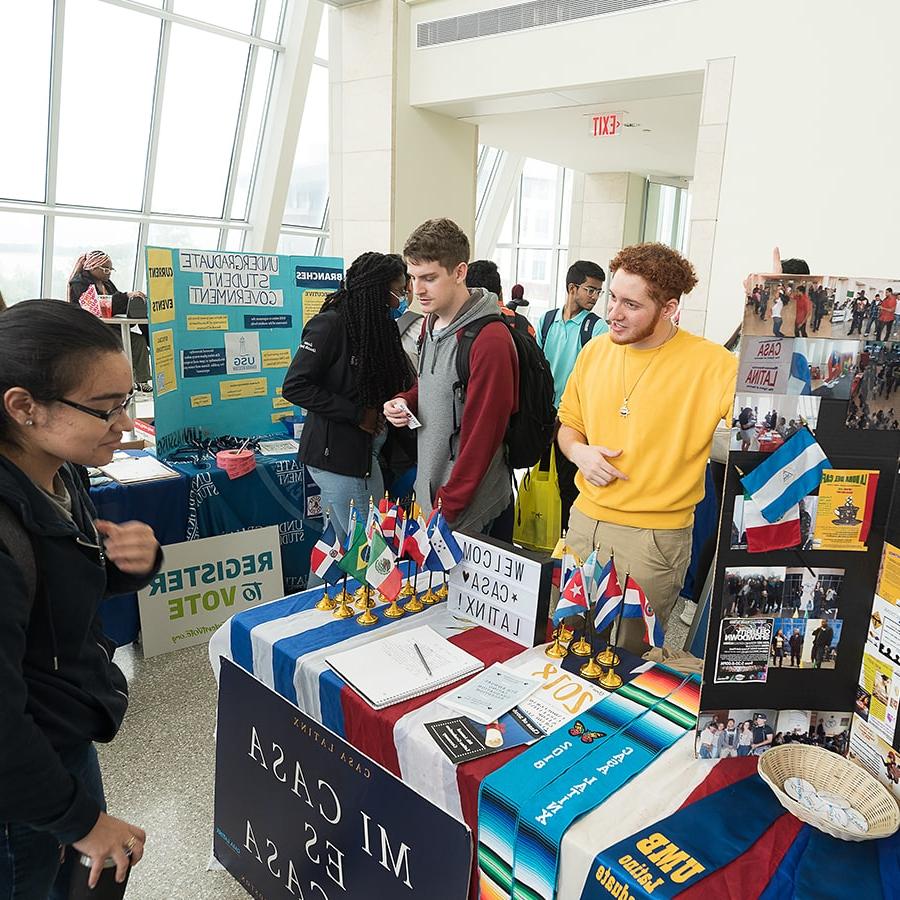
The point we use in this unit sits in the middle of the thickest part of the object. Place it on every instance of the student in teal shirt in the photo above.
(562, 334)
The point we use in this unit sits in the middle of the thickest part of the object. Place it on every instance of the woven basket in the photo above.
(827, 771)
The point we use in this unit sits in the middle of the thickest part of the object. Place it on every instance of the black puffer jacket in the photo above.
(322, 380)
(58, 685)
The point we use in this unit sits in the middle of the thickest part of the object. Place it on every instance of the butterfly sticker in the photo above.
(587, 737)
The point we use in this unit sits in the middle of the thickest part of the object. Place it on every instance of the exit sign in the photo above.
(606, 125)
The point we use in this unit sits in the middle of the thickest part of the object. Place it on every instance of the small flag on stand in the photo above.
(590, 571)
(787, 475)
(326, 556)
(609, 597)
(573, 597)
(637, 606)
(389, 523)
(446, 552)
(354, 560)
(382, 572)
(416, 545)
(763, 536)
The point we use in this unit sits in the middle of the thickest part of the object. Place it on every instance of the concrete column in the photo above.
(392, 165)
(705, 188)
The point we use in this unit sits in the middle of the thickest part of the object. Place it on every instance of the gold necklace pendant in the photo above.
(623, 409)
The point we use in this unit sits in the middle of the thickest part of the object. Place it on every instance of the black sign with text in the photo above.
(300, 813)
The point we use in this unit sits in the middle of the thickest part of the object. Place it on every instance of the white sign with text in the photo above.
(202, 583)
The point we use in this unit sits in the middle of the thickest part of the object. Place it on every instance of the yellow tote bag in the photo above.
(538, 509)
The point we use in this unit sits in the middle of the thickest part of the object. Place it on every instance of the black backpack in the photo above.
(585, 333)
(531, 428)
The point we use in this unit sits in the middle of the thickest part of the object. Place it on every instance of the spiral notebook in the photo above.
(403, 666)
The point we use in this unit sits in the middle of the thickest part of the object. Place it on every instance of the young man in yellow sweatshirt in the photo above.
(637, 418)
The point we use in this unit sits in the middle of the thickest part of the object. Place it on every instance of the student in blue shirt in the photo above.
(562, 334)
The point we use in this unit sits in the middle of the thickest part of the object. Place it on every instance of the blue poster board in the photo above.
(223, 330)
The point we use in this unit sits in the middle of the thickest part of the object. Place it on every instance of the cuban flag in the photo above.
(573, 597)
(445, 550)
(608, 598)
(637, 606)
(786, 476)
(800, 378)
(326, 554)
(416, 545)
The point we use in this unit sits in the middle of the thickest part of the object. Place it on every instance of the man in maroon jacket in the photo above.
(461, 454)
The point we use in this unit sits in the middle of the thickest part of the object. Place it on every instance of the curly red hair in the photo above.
(667, 273)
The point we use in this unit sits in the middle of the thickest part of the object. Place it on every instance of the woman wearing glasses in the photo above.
(96, 268)
(64, 386)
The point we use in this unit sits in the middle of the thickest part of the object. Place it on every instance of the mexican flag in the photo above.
(763, 536)
(382, 572)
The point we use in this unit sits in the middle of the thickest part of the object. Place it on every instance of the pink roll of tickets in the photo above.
(236, 462)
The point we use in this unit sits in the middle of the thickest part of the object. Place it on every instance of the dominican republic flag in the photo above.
(800, 378)
(382, 572)
(609, 597)
(354, 560)
(637, 606)
(787, 475)
(763, 536)
(573, 597)
(416, 545)
(444, 547)
(325, 556)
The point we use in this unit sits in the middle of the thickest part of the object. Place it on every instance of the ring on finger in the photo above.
(129, 844)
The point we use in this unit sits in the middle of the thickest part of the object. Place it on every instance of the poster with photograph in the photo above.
(859, 305)
(880, 679)
(764, 423)
(820, 643)
(824, 368)
(788, 636)
(765, 365)
(874, 395)
(889, 574)
(751, 591)
(807, 518)
(884, 630)
(811, 593)
(789, 305)
(875, 755)
(844, 511)
(743, 651)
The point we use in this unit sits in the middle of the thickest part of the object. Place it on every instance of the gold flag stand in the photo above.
(368, 617)
(327, 603)
(343, 610)
(556, 649)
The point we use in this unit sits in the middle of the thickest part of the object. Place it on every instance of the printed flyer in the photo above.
(844, 512)
(743, 650)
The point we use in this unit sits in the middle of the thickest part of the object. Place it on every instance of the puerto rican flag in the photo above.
(573, 598)
(325, 556)
(638, 606)
(389, 522)
(416, 545)
(608, 598)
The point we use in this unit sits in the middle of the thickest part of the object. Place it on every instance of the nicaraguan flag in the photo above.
(443, 544)
(590, 571)
(572, 598)
(800, 378)
(608, 598)
(784, 478)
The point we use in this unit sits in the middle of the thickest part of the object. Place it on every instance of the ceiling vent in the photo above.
(508, 19)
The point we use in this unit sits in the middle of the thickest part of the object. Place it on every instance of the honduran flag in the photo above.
(573, 597)
(638, 606)
(444, 547)
(800, 378)
(786, 476)
(325, 556)
(609, 597)
(763, 536)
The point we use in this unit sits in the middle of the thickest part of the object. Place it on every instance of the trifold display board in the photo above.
(223, 330)
(788, 627)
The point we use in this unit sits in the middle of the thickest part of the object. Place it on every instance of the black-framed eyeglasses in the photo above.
(107, 416)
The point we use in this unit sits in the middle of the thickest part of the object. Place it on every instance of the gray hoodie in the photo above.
(436, 401)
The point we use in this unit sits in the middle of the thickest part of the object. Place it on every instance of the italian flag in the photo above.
(382, 572)
(763, 535)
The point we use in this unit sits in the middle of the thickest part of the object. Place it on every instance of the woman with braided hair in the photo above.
(349, 363)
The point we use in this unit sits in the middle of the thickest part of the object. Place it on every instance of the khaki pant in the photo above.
(657, 559)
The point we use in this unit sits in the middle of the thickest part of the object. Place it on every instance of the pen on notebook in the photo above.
(427, 667)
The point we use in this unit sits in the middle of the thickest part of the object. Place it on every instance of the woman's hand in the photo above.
(396, 412)
(112, 837)
(140, 294)
(132, 546)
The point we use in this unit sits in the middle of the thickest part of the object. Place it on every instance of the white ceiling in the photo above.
(661, 117)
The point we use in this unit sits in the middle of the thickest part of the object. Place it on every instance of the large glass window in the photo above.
(532, 249)
(21, 237)
(666, 214)
(26, 33)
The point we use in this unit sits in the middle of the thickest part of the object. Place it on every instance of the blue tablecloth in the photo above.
(205, 502)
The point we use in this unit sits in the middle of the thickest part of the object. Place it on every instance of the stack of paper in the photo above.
(134, 469)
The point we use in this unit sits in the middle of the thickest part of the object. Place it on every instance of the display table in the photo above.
(204, 502)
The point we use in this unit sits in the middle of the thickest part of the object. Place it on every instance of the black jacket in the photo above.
(322, 380)
(58, 685)
(79, 283)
